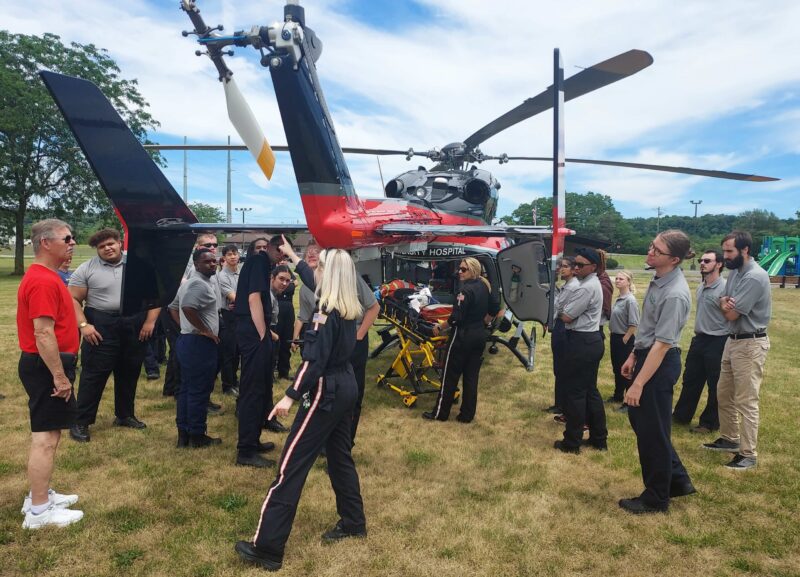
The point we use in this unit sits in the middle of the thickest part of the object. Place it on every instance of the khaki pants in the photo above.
(738, 391)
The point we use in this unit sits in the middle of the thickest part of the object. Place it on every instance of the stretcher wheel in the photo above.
(493, 350)
(409, 400)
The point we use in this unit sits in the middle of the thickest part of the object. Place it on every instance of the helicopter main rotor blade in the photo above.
(585, 81)
(279, 148)
(660, 167)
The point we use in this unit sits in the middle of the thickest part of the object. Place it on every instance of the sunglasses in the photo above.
(581, 264)
(704, 260)
(462, 269)
(68, 239)
(210, 244)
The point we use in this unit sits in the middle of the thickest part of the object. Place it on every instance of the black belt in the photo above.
(747, 336)
(645, 352)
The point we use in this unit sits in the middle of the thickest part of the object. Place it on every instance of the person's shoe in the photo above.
(621, 409)
(252, 554)
(722, 445)
(553, 410)
(602, 446)
(431, 416)
(80, 433)
(701, 430)
(560, 419)
(199, 441)
(231, 392)
(682, 489)
(639, 507)
(58, 500)
(214, 408)
(256, 461)
(275, 426)
(130, 422)
(742, 463)
(183, 440)
(613, 399)
(266, 447)
(564, 448)
(337, 533)
(52, 516)
(153, 376)
(461, 419)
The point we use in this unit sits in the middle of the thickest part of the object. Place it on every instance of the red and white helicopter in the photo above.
(425, 214)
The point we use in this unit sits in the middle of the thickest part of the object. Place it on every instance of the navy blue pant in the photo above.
(320, 423)
(620, 352)
(582, 402)
(652, 423)
(197, 356)
(703, 364)
(255, 384)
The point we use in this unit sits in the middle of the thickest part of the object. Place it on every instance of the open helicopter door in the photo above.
(157, 223)
(525, 278)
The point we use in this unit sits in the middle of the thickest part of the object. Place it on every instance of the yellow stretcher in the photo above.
(417, 362)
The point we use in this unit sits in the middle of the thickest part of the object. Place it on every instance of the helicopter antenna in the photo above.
(378, 158)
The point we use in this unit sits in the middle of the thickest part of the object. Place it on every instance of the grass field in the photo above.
(442, 499)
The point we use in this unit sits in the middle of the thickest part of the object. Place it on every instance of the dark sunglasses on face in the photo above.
(704, 260)
(67, 239)
(210, 244)
(462, 269)
(580, 264)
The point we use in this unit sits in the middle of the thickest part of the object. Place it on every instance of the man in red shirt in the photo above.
(48, 337)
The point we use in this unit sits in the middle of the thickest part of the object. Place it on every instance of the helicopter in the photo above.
(447, 210)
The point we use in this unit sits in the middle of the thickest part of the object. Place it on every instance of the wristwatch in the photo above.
(83, 324)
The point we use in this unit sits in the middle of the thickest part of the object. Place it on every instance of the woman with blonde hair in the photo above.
(466, 344)
(622, 324)
(327, 389)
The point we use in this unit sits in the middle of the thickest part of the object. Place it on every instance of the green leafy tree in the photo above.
(41, 167)
(206, 213)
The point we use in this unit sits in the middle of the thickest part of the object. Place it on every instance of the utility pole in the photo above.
(658, 220)
(243, 210)
(228, 215)
(695, 203)
(185, 173)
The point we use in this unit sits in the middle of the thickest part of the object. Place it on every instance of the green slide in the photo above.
(776, 266)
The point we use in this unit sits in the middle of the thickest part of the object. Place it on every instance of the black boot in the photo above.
(198, 441)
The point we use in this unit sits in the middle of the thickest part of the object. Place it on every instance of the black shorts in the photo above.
(48, 413)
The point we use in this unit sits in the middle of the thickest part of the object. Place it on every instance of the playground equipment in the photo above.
(778, 255)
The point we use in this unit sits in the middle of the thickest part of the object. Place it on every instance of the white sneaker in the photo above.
(52, 516)
(57, 499)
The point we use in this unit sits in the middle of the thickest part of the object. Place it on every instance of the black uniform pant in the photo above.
(652, 423)
(285, 330)
(358, 360)
(558, 344)
(121, 353)
(582, 401)
(255, 384)
(464, 356)
(172, 376)
(703, 363)
(320, 423)
(228, 351)
(620, 352)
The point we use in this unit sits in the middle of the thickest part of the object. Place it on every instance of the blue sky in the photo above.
(723, 93)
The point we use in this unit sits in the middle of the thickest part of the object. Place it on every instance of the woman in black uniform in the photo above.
(654, 366)
(327, 391)
(466, 344)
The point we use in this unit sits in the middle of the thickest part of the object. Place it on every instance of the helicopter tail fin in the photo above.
(157, 223)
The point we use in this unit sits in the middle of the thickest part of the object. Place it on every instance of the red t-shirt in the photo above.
(42, 294)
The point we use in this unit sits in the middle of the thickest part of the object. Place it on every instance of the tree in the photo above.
(206, 213)
(41, 167)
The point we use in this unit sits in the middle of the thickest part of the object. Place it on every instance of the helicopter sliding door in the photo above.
(525, 278)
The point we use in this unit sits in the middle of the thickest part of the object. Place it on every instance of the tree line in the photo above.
(594, 215)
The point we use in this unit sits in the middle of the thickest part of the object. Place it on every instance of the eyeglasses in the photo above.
(210, 244)
(580, 264)
(704, 261)
(656, 251)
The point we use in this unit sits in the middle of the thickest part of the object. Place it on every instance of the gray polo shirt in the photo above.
(200, 294)
(228, 282)
(665, 310)
(275, 307)
(709, 319)
(585, 305)
(624, 314)
(562, 296)
(750, 288)
(308, 301)
(103, 281)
